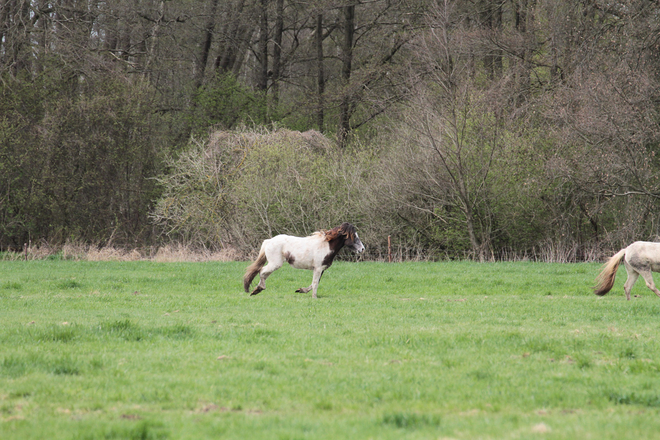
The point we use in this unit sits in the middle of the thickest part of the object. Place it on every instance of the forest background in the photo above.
(461, 129)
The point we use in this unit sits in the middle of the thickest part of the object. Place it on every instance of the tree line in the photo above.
(464, 128)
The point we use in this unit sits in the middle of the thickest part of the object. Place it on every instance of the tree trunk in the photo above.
(320, 74)
(4, 28)
(347, 60)
(262, 74)
(224, 61)
(524, 19)
(151, 51)
(496, 27)
(277, 51)
(243, 38)
(42, 26)
(206, 44)
(15, 46)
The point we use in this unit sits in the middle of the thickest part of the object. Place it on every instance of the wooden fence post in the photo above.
(389, 248)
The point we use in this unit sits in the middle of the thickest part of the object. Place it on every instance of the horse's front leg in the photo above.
(318, 273)
(315, 283)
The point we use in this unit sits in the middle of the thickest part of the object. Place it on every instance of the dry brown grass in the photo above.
(172, 253)
(84, 252)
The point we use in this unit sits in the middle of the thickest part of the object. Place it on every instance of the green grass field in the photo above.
(144, 350)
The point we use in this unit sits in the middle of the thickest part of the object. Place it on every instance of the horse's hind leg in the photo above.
(648, 277)
(630, 282)
(269, 268)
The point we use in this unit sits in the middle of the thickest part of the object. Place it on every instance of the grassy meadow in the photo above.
(449, 350)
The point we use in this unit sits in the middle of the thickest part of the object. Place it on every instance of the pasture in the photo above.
(450, 350)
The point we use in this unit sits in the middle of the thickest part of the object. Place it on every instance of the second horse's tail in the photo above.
(253, 269)
(605, 280)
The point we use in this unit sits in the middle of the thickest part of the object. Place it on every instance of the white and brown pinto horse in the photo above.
(640, 258)
(315, 252)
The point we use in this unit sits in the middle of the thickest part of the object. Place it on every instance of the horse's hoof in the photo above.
(299, 291)
(257, 290)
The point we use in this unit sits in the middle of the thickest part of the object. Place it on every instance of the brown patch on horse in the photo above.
(328, 259)
(289, 258)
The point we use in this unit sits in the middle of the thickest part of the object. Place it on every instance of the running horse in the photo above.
(315, 252)
(640, 258)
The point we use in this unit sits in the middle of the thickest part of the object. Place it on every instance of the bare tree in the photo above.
(452, 136)
(262, 50)
(346, 70)
(206, 43)
(320, 73)
(277, 51)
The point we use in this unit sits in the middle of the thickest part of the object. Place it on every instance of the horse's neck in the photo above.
(336, 244)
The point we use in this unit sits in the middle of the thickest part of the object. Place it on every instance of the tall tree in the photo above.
(320, 73)
(277, 51)
(346, 70)
(262, 50)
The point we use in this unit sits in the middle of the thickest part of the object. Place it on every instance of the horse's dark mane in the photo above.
(346, 229)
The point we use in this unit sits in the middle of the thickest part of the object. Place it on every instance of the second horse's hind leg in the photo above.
(632, 277)
(648, 277)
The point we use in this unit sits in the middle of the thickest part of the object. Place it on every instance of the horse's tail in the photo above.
(605, 280)
(253, 269)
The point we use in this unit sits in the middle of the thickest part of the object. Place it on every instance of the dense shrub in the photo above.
(236, 188)
(244, 186)
(78, 160)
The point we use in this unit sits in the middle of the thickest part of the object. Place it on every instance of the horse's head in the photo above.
(351, 237)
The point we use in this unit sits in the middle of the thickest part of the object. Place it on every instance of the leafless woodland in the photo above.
(475, 129)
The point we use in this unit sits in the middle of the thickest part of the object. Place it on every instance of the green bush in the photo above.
(77, 161)
(224, 103)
